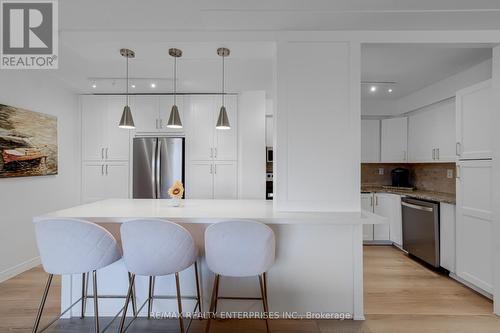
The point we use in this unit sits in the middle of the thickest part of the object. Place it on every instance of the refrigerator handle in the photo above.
(157, 169)
(153, 170)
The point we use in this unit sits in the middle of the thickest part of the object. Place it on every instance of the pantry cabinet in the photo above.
(212, 180)
(394, 138)
(102, 139)
(474, 127)
(370, 140)
(103, 180)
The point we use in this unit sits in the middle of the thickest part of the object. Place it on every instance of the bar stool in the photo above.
(239, 249)
(71, 246)
(153, 247)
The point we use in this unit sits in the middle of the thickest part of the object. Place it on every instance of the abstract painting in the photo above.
(28, 143)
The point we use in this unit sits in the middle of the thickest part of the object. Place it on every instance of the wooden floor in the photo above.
(400, 296)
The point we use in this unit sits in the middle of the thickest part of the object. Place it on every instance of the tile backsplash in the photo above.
(424, 176)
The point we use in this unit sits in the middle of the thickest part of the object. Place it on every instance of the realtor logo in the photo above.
(29, 34)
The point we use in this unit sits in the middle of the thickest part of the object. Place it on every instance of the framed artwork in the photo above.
(28, 143)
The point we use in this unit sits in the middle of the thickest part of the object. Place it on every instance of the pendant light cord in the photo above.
(175, 80)
(223, 100)
(127, 80)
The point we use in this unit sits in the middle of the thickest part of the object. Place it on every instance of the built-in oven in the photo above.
(421, 229)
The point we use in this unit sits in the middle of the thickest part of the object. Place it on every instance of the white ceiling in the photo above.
(279, 14)
(414, 66)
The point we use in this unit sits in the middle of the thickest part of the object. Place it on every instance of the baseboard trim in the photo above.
(471, 286)
(19, 268)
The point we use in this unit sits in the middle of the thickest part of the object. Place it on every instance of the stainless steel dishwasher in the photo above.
(421, 229)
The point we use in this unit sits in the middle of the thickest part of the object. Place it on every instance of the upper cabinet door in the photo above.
(226, 142)
(474, 127)
(200, 140)
(225, 180)
(370, 140)
(421, 136)
(145, 111)
(394, 140)
(93, 127)
(166, 103)
(445, 133)
(118, 139)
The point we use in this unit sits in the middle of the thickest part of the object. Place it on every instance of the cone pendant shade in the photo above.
(223, 120)
(174, 121)
(127, 121)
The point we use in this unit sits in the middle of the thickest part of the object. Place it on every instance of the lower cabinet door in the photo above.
(447, 236)
(383, 206)
(199, 184)
(367, 204)
(396, 224)
(92, 181)
(225, 180)
(116, 180)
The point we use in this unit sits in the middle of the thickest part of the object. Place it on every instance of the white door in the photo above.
(200, 141)
(474, 110)
(199, 184)
(367, 204)
(226, 142)
(166, 103)
(370, 140)
(93, 127)
(145, 111)
(394, 140)
(474, 243)
(116, 180)
(383, 206)
(225, 180)
(445, 137)
(93, 181)
(118, 139)
(421, 136)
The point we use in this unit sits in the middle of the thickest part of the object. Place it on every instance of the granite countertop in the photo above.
(416, 193)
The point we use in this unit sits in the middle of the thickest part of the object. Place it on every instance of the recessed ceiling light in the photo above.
(373, 88)
(389, 90)
(153, 85)
(132, 86)
(94, 85)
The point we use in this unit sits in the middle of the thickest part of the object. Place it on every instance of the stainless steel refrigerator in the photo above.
(157, 163)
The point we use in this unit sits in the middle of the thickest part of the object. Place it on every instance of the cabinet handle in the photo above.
(458, 172)
(211, 153)
(102, 153)
(107, 152)
(434, 154)
(215, 149)
(161, 122)
(106, 169)
(211, 170)
(437, 153)
(458, 148)
(215, 168)
(376, 200)
(102, 169)
(156, 123)
(371, 201)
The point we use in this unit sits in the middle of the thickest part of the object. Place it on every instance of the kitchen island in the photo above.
(318, 268)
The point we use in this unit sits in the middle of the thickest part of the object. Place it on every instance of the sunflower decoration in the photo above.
(177, 190)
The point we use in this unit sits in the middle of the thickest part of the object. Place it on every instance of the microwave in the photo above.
(269, 154)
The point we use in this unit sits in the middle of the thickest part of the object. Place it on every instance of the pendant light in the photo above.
(174, 121)
(127, 121)
(223, 120)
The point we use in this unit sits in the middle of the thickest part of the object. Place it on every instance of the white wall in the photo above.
(317, 124)
(23, 198)
(433, 93)
(252, 145)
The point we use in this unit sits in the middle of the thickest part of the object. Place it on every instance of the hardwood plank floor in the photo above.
(400, 296)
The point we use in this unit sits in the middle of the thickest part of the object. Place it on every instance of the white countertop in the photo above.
(206, 211)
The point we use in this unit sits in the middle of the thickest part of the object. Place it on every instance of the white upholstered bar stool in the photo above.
(71, 246)
(239, 249)
(153, 247)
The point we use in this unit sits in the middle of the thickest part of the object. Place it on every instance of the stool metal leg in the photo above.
(198, 292)
(127, 300)
(212, 303)
(264, 299)
(96, 302)
(179, 302)
(216, 294)
(85, 282)
(134, 299)
(150, 296)
(42, 303)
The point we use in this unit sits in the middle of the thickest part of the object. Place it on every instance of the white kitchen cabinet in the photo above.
(474, 230)
(104, 180)
(474, 109)
(225, 180)
(431, 134)
(205, 141)
(383, 206)
(370, 140)
(367, 204)
(447, 236)
(151, 113)
(212, 180)
(102, 139)
(394, 138)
